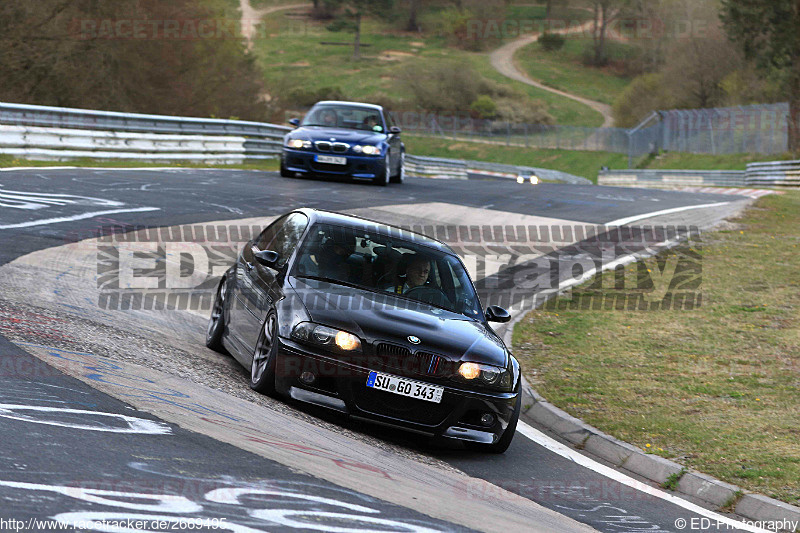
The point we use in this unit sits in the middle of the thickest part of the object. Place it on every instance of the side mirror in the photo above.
(268, 258)
(395, 130)
(495, 313)
(294, 122)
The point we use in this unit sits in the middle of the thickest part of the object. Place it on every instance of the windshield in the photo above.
(342, 116)
(387, 264)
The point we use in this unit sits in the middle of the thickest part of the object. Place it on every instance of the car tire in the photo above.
(508, 435)
(401, 170)
(383, 178)
(262, 369)
(216, 324)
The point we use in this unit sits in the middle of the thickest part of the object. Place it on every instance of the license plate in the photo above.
(331, 159)
(405, 387)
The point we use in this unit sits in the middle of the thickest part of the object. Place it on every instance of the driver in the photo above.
(417, 272)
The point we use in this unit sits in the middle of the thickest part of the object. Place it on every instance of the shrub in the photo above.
(645, 94)
(550, 42)
(484, 107)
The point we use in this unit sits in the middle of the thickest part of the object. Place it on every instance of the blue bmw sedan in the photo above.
(345, 139)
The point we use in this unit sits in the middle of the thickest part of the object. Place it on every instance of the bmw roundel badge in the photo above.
(413, 340)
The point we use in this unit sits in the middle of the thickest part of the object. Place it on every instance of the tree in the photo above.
(413, 10)
(72, 53)
(768, 33)
(353, 11)
(605, 12)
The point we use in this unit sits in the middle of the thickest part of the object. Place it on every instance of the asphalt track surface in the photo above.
(60, 432)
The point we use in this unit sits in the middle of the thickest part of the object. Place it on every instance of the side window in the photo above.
(288, 237)
(269, 233)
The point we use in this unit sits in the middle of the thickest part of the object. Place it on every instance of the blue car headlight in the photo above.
(298, 144)
(367, 149)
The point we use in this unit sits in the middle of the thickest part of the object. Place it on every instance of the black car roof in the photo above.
(367, 225)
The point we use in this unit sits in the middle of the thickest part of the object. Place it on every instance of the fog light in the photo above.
(487, 419)
(308, 378)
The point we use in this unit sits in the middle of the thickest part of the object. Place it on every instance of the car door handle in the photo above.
(248, 265)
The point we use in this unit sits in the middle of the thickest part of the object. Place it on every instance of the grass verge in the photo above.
(678, 160)
(714, 388)
(579, 163)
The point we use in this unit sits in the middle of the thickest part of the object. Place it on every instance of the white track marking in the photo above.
(628, 220)
(39, 200)
(140, 426)
(160, 169)
(46, 221)
(568, 453)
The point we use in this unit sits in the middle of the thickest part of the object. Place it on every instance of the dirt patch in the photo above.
(394, 55)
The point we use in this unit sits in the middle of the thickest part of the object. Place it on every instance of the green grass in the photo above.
(10, 161)
(563, 69)
(579, 163)
(289, 49)
(679, 160)
(565, 111)
(714, 388)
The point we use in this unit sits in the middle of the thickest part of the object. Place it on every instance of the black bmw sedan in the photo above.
(371, 320)
(345, 139)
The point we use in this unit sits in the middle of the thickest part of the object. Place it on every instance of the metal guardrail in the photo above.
(516, 170)
(774, 173)
(58, 133)
(63, 117)
(672, 178)
(435, 167)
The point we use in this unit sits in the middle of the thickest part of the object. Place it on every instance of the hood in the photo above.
(320, 133)
(377, 317)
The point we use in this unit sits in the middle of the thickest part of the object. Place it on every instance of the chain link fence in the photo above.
(758, 129)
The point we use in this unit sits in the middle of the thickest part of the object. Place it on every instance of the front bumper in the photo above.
(341, 385)
(303, 161)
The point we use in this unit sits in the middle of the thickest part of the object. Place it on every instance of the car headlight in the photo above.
(326, 337)
(485, 375)
(298, 144)
(367, 149)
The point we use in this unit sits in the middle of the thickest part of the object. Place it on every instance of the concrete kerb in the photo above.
(625, 456)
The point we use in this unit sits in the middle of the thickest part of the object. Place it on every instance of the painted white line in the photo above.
(9, 169)
(568, 453)
(133, 424)
(628, 220)
(45, 221)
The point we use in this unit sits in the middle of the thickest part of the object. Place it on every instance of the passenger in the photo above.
(328, 117)
(331, 257)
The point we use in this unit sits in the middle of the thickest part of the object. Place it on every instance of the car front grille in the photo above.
(327, 146)
(400, 358)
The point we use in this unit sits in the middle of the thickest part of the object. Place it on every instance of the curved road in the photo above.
(120, 411)
(502, 60)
